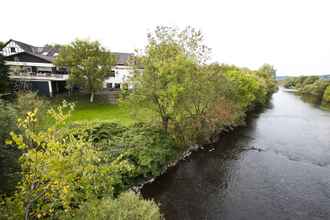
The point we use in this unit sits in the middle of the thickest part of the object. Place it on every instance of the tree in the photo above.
(4, 78)
(59, 170)
(269, 70)
(169, 56)
(89, 64)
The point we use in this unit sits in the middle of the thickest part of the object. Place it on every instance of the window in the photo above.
(13, 50)
(109, 85)
(117, 85)
(112, 73)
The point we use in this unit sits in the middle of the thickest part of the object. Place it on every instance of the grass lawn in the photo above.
(100, 110)
(85, 111)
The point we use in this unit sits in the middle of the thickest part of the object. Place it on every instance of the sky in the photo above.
(292, 35)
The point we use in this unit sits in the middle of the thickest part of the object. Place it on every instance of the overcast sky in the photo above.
(293, 35)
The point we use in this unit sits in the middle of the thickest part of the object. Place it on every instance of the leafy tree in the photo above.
(268, 74)
(89, 64)
(4, 78)
(268, 69)
(169, 56)
(193, 100)
(205, 108)
(59, 170)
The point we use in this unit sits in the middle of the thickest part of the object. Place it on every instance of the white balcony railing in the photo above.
(35, 76)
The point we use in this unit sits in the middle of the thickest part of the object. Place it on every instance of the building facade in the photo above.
(32, 68)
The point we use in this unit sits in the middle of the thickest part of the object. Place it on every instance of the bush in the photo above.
(128, 206)
(9, 154)
(316, 89)
(59, 171)
(134, 153)
(326, 95)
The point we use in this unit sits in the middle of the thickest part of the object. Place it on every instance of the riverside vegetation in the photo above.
(87, 170)
(310, 85)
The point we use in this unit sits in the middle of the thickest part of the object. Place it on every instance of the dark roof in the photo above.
(28, 57)
(24, 46)
(48, 52)
(122, 58)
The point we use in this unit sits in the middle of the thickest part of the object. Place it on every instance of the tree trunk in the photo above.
(165, 120)
(91, 99)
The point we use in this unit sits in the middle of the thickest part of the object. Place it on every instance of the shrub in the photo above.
(9, 154)
(326, 95)
(316, 89)
(28, 101)
(128, 206)
(134, 153)
(59, 171)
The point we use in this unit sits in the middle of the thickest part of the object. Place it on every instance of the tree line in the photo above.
(310, 85)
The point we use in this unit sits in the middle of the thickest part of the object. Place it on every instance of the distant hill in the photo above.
(323, 77)
(281, 77)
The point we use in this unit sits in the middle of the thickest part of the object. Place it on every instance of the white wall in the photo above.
(122, 74)
(6, 51)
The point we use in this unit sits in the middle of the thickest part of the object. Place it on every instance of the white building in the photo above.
(34, 66)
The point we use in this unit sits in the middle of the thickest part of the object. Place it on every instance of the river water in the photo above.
(277, 167)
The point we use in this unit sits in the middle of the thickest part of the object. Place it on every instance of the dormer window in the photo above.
(13, 50)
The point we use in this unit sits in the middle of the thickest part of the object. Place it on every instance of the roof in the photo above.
(122, 58)
(48, 53)
(44, 58)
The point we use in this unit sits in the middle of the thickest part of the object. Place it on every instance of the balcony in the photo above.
(38, 76)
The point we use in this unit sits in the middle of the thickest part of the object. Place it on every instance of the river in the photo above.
(276, 167)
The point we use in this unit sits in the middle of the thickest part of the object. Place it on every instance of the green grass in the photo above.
(102, 112)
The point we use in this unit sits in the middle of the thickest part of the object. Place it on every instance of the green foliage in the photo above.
(310, 85)
(194, 101)
(300, 82)
(249, 90)
(310, 80)
(89, 64)
(267, 70)
(268, 74)
(28, 101)
(316, 89)
(128, 206)
(4, 79)
(326, 95)
(9, 154)
(134, 153)
(62, 167)
(204, 105)
(59, 171)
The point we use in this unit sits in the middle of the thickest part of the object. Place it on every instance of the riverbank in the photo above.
(312, 86)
